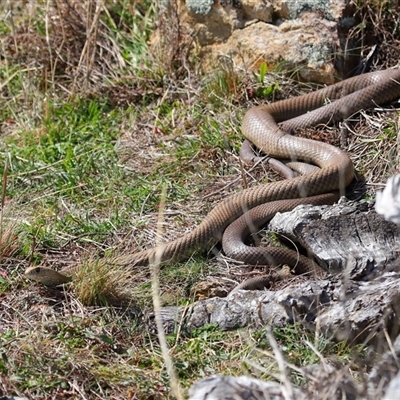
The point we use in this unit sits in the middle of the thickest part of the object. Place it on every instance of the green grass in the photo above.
(66, 169)
(77, 190)
(91, 344)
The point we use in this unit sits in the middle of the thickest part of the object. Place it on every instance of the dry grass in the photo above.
(102, 282)
(165, 126)
(377, 31)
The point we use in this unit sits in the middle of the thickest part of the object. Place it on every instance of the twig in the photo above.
(287, 389)
(3, 199)
(155, 285)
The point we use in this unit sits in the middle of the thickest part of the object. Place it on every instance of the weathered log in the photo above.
(242, 387)
(352, 311)
(349, 236)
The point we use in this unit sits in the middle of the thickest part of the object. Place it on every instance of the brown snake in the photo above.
(260, 126)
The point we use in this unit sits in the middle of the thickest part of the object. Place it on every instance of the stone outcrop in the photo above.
(299, 36)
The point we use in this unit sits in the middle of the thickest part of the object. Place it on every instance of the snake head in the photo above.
(46, 276)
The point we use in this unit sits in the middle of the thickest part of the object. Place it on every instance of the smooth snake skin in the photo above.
(260, 126)
(269, 128)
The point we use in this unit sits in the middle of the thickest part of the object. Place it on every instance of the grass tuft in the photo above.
(101, 282)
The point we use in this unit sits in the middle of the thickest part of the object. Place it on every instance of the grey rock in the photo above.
(202, 7)
(322, 6)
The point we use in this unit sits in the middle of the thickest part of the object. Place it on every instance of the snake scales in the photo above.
(260, 126)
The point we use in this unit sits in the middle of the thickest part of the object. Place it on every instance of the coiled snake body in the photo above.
(260, 126)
